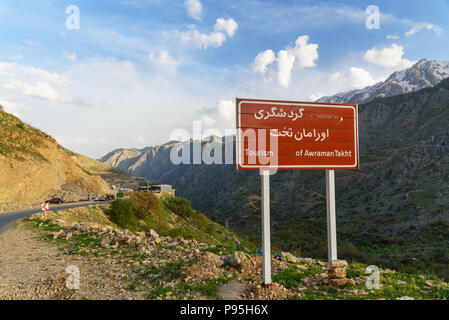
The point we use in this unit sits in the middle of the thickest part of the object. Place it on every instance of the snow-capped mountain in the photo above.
(422, 74)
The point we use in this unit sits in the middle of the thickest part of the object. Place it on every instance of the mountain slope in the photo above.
(394, 210)
(33, 167)
(111, 175)
(421, 75)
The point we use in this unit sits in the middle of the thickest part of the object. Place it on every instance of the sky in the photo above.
(99, 75)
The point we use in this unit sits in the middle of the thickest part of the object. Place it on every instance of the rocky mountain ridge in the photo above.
(393, 210)
(422, 74)
(34, 168)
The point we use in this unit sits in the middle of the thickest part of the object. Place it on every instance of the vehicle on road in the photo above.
(55, 201)
(107, 197)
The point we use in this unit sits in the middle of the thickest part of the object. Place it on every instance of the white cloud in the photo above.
(302, 55)
(140, 140)
(215, 38)
(334, 77)
(220, 117)
(11, 107)
(194, 8)
(424, 26)
(41, 90)
(6, 68)
(263, 60)
(226, 109)
(208, 121)
(392, 37)
(360, 78)
(316, 96)
(201, 40)
(16, 57)
(227, 25)
(285, 65)
(391, 57)
(306, 53)
(34, 82)
(69, 55)
(164, 60)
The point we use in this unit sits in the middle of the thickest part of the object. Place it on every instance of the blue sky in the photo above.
(136, 70)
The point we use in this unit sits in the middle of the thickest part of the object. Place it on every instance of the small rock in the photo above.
(142, 223)
(154, 234)
(57, 234)
(429, 283)
(337, 282)
(308, 260)
(232, 260)
(105, 242)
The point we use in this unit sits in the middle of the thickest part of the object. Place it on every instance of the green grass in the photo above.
(20, 140)
(291, 277)
(210, 288)
(167, 277)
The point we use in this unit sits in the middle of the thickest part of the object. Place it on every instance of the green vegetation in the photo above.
(182, 207)
(108, 173)
(145, 204)
(20, 140)
(393, 285)
(164, 278)
(122, 213)
(144, 211)
(291, 277)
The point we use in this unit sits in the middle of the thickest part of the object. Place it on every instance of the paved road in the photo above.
(7, 219)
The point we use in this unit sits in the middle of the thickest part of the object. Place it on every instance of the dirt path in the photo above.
(33, 269)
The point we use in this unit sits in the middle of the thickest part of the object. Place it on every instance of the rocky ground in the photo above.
(34, 269)
(119, 264)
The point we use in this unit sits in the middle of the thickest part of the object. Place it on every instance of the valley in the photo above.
(393, 211)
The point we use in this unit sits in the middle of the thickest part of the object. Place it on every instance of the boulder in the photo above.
(336, 273)
(338, 264)
(290, 258)
(234, 260)
(211, 259)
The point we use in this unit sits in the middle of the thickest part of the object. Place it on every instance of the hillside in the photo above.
(33, 168)
(393, 211)
(423, 74)
(111, 175)
(210, 263)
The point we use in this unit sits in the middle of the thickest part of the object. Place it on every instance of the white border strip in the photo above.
(356, 135)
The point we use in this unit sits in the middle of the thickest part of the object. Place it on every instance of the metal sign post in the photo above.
(266, 246)
(331, 220)
(307, 135)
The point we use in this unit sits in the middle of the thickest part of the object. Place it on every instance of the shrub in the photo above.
(121, 212)
(185, 232)
(210, 228)
(199, 220)
(180, 206)
(145, 203)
